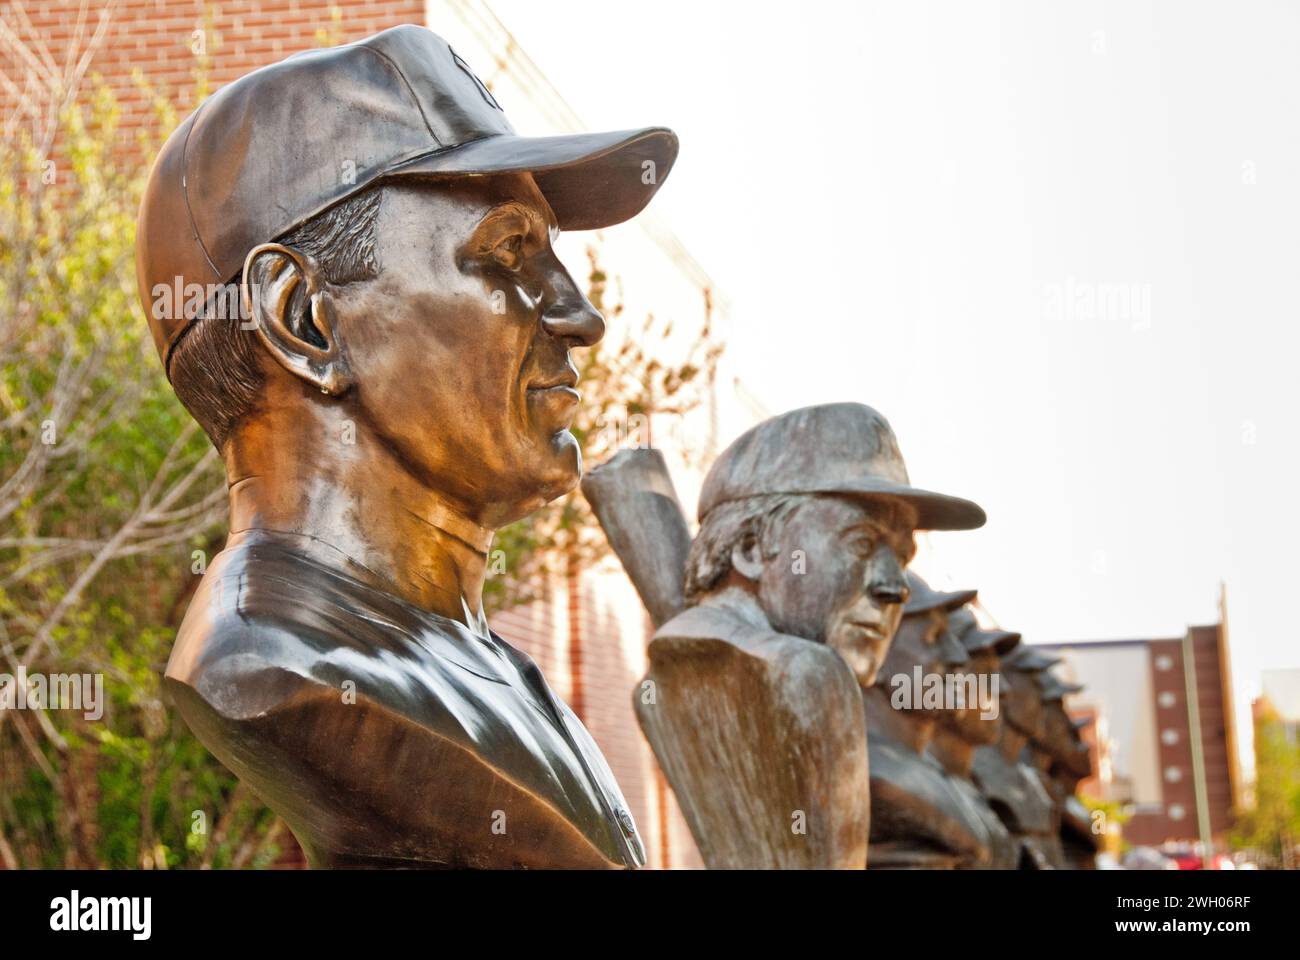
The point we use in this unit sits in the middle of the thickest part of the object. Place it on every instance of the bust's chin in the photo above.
(555, 472)
(567, 460)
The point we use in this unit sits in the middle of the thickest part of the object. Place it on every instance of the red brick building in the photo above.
(1165, 709)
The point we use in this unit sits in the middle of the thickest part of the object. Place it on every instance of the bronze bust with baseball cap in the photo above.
(396, 385)
(1003, 771)
(977, 722)
(922, 818)
(794, 587)
(1063, 760)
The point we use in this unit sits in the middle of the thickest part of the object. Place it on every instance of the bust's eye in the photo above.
(864, 544)
(510, 251)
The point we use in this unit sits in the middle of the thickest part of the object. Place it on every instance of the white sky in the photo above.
(905, 204)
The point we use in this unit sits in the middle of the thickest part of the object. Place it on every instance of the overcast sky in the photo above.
(1056, 245)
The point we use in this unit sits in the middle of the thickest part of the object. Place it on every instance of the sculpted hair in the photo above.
(731, 524)
(215, 366)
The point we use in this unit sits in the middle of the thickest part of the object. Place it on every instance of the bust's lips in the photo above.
(555, 398)
(566, 378)
(872, 631)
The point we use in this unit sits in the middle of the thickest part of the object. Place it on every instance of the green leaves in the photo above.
(91, 439)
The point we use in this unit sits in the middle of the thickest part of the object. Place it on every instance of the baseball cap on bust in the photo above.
(1029, 659)
(278, 146)
(978, 640)
(837, 448)
(922, 598)
(1054, 688)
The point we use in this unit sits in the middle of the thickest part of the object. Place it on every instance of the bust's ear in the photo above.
(747, 558)
(285, 296)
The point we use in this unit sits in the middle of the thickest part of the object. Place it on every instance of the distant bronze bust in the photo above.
(964, 729)
(1014, 787)
(399, 387)
(1064, 760)
(922, 817)
(794, 588)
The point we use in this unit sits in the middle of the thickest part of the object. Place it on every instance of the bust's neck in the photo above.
(293, 471)
(954, 754)
(1011, 742)
(911, 728)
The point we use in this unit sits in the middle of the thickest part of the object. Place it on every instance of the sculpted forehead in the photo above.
(843, 518)
(841, 513)
(414, 206)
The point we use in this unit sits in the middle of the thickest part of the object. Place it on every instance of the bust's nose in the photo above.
(886, 582)
(568, 314)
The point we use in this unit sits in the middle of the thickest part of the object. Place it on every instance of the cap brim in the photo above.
(591, 180)
(1053, 688)
(940, 600)
(999, 641)
(934, 511)
(1025, 657)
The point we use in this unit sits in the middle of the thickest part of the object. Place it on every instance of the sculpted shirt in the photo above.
(922, 817)
(1017, 794)
(382, 733)
(762, 737)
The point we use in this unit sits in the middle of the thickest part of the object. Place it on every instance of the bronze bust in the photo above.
(397, 386)
(794, 588)
(921, 818)
(1015, 789)
(1063, 760)
(963, 729)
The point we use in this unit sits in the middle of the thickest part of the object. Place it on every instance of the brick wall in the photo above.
(591, 644)
(157, 38)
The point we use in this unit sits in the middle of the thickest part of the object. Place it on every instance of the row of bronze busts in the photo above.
(814, 703)
(984, 783)
(811, 702)
(399, 391)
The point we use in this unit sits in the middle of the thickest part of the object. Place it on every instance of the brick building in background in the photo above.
(588, 635)
(1146, 700)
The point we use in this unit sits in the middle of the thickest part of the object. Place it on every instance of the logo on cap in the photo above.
(482, 87)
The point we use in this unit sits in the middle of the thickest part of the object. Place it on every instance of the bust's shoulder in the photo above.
(711, 631)
(915, 802)
(1018, 791)
(243, 643)
(319, 690)
(266, 624)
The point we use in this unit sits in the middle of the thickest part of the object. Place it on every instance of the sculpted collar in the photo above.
(439, 515)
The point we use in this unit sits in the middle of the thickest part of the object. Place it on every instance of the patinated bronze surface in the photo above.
(794, 588)
(1063, 761)
(921, 816)
(961, 730)
(406, 388)
(1004, 772)
(634, 499)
